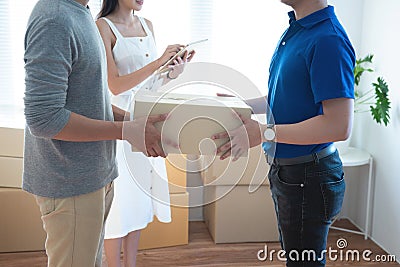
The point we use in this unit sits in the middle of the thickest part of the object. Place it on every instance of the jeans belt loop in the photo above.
(316, 158)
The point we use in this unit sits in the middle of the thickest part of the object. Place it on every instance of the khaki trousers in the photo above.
(75, 227)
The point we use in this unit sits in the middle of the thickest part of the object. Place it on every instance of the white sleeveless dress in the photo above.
(141, 190)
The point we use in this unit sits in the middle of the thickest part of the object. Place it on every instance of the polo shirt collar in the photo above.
(314, 18)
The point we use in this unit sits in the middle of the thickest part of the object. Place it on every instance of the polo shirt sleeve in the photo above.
(331, 69)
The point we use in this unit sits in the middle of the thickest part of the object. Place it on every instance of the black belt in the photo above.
(302, 159)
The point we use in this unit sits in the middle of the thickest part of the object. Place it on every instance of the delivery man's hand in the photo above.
(241, 139)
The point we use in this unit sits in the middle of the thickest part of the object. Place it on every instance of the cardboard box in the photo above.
(239, 216)
(11, 153)
(20, 224)
(193, 119)
(240, 206)
(11, 172)
(245, 171)
(175, 233)
(176, 171)
(11, 142)
(21, 227)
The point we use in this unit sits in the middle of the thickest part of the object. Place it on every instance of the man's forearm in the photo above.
(83, 129)
(316, 130)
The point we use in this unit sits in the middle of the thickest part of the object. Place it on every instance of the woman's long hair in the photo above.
(107, 8)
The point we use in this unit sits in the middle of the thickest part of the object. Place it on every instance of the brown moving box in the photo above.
(11, 142)
(20, 224)
(236, 211)
(240, 216)
(193, 118)
(246, 170)
(11, 172)
(176, 171)
(11, 153)
(175, 233)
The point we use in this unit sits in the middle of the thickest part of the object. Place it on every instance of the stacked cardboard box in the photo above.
(20, 224)
(11, 154)
(175, 233)
(239, 206)
(21, 227)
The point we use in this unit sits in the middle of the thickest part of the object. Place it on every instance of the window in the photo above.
(242, 35)
(13, 20)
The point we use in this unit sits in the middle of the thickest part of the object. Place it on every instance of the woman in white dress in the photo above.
(141, 190)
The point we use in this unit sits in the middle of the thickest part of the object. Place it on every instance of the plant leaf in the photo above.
(368, 58)
(380, 111)
(359, 68)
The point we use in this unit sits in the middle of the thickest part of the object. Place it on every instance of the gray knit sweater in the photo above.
(66, 72)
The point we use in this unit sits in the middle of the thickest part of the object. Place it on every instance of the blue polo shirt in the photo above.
(313, 62)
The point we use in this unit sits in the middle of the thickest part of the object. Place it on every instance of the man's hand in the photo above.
(241, 139)
(143, 135)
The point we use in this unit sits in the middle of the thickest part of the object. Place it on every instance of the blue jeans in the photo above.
(307, 198)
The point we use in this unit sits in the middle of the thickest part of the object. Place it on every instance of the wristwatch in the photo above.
(269, 133)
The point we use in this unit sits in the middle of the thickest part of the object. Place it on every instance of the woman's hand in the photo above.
(179, 64)
(171, 51)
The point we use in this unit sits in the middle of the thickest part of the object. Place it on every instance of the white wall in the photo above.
(350, 14)
(380, 37)
(371, 26)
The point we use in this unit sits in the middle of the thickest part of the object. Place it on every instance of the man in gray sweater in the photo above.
(69, 160)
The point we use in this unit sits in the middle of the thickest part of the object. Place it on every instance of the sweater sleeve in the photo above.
(48, 63)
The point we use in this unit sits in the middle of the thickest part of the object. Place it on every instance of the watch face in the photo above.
(269, 134)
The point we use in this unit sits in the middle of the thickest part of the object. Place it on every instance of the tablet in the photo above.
(180, 53)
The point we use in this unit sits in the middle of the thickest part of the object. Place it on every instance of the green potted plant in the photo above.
(375, 100)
